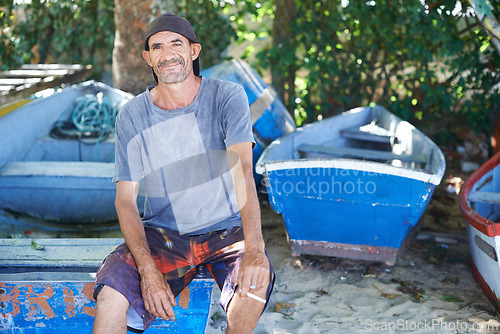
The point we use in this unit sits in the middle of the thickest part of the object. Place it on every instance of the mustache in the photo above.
(171, 61)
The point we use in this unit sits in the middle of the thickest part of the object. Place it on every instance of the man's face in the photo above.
(171, 55)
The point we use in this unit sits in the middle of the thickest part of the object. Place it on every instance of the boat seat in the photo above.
(361, 153)
(19, 254)
(57, 168)
(369, 133)
(484, 197)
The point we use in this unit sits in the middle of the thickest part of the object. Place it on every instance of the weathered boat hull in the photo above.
(68, 307)
(336, 206)
(65, 180)
(270, 118)
(480, 206)
(64, 192)
(53, 293)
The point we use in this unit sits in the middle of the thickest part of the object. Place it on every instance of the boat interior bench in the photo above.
(484, 197)
(370, 133)
(49, 283)
(361, 153)
(86, 149)
(57, 168)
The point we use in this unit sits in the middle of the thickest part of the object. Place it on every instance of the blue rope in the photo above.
(93, 113)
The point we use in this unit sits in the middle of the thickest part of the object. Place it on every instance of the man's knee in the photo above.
(111, 312)
(109, 297)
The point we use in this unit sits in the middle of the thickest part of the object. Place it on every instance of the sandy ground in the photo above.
(431, 290)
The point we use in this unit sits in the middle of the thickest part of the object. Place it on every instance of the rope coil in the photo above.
(93, 117)
(92, 113)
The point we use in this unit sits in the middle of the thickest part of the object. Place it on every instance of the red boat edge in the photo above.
(485, 226)
(486, 288)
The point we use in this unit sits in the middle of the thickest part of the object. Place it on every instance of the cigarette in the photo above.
(257, 298)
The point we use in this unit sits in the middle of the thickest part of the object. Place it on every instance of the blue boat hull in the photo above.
(31, 307)
(61, 180)
(362, 215)
(273, 120)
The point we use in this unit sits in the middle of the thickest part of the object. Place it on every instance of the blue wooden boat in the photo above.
(353, 185)
(50, 290)
(270, 118)
(479, 201)
(65, 179)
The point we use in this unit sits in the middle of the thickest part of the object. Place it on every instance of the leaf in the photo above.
(36, 246)
(389, 296)
(285, 308)
(217, 315)
(386, 295)
(451, 298)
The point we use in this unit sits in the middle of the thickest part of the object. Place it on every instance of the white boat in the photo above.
(479, 201)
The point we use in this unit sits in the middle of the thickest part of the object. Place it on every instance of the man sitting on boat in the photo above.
(189, 141)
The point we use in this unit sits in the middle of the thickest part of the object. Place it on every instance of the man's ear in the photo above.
(147, 57)
(195, 50)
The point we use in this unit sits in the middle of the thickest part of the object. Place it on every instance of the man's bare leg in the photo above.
(111, 315)
(244, 312)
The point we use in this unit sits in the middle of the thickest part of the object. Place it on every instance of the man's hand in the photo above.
(254, 272)
(156, 293)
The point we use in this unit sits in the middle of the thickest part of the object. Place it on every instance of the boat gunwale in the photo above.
(433, 177)
(351, 164)
(484, 225)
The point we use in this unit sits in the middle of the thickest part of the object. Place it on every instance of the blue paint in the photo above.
(347, 206)
(67, 307)
(275, 121)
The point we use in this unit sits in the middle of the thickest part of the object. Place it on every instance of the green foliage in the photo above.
(82, 31)
(425, 64)
(77, 31)
(213, 28)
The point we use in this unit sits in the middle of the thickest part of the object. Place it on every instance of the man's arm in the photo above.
(254, 267)
(156, 293)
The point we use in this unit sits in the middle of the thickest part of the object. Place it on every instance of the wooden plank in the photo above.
(484, 197)
(361, 153)
(61, 307)
(81, 253)
(32, 73)
(259, 106)
(356, 133)
(19, 81)
(7, 88)
(58, 168)
(78, 74)
(76, 67)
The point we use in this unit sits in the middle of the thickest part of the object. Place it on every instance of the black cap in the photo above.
(173, 23)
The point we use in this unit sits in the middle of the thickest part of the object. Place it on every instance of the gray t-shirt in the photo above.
(179, 156)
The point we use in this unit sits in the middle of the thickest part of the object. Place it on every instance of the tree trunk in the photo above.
(284, 79)
(131, 73)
